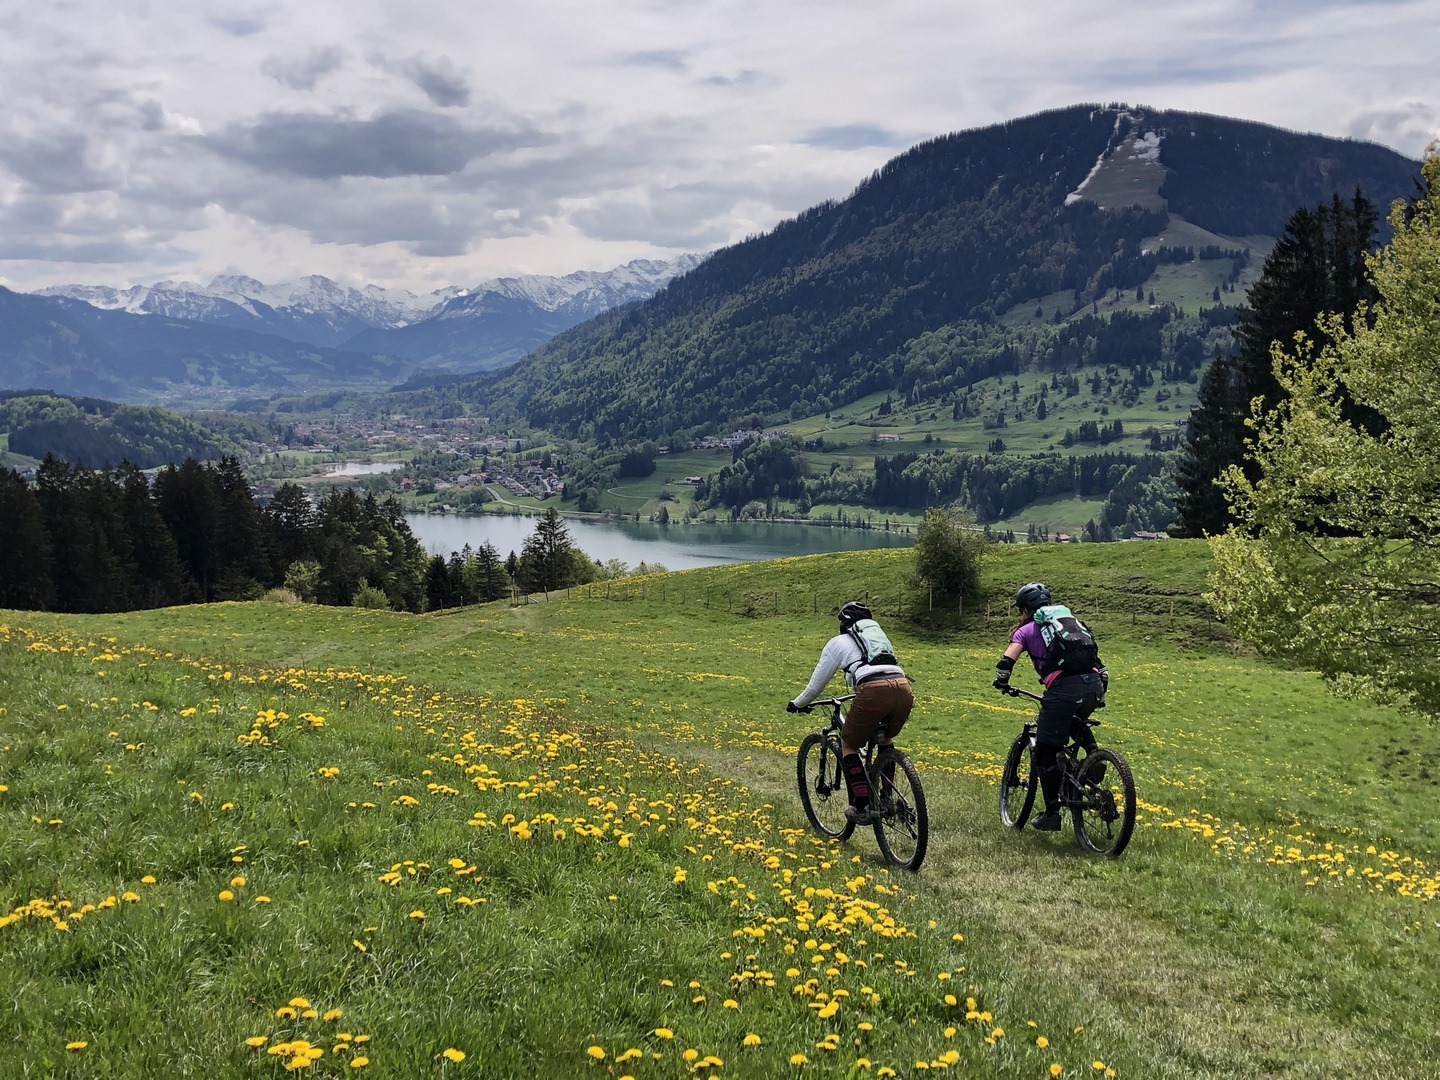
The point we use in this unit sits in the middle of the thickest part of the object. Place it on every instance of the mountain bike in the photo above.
(897, 801)
(1097, 788)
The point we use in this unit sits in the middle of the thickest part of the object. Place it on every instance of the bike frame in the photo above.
(1071, 795)
(1083, 798)
(906, 817)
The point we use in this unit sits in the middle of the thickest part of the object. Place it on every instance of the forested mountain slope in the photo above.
(951, 238)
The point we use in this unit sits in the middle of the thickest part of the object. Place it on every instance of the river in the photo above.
(676, 547)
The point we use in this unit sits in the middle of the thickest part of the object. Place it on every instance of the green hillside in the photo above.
(563, 839)
(97, 432)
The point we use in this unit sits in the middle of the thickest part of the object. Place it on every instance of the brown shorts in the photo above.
(877, 702)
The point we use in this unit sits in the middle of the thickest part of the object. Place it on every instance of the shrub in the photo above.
(367, 596)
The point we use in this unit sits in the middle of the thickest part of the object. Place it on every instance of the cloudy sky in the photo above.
(420, 145)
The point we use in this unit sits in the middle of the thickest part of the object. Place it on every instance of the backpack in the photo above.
(875, 647)
(1069, 644)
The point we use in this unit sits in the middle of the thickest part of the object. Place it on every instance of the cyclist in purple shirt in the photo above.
(1069, 699)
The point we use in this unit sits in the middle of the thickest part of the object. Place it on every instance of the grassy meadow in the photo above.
(563, 839)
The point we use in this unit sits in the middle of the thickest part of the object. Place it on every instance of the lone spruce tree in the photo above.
(545, 561)
(1334, 561)
(1316, 268)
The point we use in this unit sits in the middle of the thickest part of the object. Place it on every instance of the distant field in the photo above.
(563, 840)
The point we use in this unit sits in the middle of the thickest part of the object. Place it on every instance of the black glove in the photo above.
(1003, 667)
(790, 706)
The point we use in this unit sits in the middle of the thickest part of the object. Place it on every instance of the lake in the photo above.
(363, 468)
(676, 547)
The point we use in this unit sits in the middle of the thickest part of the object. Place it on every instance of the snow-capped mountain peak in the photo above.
(316, 310)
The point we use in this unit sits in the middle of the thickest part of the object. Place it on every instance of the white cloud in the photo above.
(424, 146)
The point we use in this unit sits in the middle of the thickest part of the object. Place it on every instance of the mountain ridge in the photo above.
(848, 297)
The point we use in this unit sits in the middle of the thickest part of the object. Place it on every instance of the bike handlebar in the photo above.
(829, 702)
(1015, 691)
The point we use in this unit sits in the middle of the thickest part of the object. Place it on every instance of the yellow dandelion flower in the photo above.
(332, 1014)
(1055, 1069)
(256, 1041)
(799, 1059)
(237, 882)
(1098, 1066)
(226, 895)
(690, 1053)
(751, 1039)
(148, 879)
(299, 1003)
(285, 1012)
(417, 914)
(1042, 1042)
(78, 1044)
(664, 1033)
(730, 1003)
(359, 1062)
(457, 1056)
(262, 899)
(596, 1052)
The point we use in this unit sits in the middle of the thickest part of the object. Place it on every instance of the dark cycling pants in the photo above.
(1067, 704)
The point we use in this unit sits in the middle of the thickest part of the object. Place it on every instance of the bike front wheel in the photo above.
(821, 777)
(902, 821)
(1105, 815)
(1017, 783)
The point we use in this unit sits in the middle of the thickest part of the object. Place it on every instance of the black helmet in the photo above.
(1033, 596)
(851, 612)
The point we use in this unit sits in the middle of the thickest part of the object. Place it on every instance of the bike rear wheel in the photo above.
(822, 784)
(1017, 783)
(902, 821)
(1105, 814)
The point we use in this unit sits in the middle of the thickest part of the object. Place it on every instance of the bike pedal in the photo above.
(859, 815)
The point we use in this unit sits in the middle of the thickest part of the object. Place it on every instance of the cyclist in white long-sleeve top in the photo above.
(882, 695)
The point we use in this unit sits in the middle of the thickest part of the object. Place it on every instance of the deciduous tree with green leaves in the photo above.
(1334, 562)
(948, 550)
